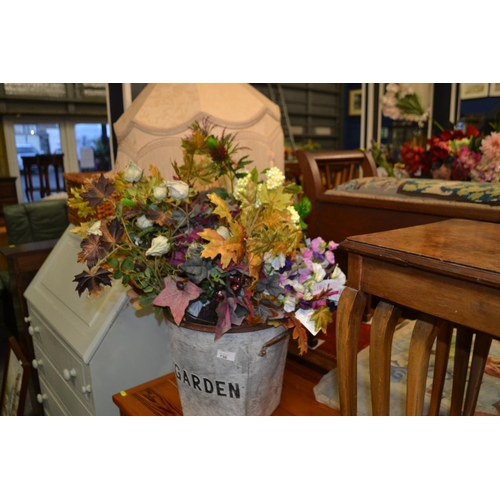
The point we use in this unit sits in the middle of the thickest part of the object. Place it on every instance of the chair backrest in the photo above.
(323, 170)
(36, 221)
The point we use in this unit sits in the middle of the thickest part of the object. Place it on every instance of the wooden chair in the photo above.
(323, 170)
(30, 168)
(55, 161)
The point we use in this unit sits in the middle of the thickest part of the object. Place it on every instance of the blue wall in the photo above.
(351, 129)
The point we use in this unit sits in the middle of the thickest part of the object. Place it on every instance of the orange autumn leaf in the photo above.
(222, 209)
(229, 249)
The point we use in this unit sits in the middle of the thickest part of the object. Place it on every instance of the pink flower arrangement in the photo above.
(488, 168)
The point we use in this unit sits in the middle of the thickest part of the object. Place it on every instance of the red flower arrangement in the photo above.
(450, 155)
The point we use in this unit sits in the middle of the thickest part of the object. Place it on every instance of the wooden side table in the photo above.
(160, 397)
(446, 270)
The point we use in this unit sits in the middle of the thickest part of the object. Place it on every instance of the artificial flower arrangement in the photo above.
(401, 102)
(455, 155)
(451, 155)
(233, 254)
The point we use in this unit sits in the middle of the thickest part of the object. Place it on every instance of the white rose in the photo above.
(95, 228)
(132, 172)
(143, 222)
(160, 192)
(178, 189)
(159, 246)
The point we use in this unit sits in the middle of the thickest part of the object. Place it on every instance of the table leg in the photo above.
(462, 354)
(440, 367)
(424, 333)
(482, 344)
(384, 323)
(349, 314)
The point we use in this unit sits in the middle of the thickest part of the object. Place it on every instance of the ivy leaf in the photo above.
(230, 249)
(271, 284)
(92, 251)
(98, 191)
(92, 281)
(197, 269)
(112, 233)
(177, 295)
(160, 218)
(224, 318)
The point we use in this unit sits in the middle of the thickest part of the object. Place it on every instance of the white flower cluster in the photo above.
(275, 178)
(295, 215)
(241, 186)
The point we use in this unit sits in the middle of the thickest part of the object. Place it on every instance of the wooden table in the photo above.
(160, 397)
(447, 270)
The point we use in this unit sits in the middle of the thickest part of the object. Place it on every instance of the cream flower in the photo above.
(275, 178)
(95, 228)
(132, 172)
(143, 222)
(178, 189)
(224, 232)
(294, 214)
(159, 246)
(160, 192)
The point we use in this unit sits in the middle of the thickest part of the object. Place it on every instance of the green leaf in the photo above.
(118, 274)
(254, 175)
(126, 279)
(304, 207)
(113, 262)
(147, 272)
(128, 264)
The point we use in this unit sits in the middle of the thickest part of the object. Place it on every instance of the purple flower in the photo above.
(318, 256)
(330, 257)
(316, 244)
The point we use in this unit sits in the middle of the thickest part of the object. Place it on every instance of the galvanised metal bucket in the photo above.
(239, 374)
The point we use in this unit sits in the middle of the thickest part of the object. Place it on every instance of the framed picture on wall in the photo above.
(473, 90)
(494, 89)
(15, 380)
(354, 108)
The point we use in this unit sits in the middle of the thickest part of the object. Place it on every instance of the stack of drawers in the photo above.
(88, 350)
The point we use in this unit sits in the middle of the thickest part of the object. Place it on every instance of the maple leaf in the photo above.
(112, 233)
(177, 295)
(222, 209)
(160, 218)
(299, 333)
(276, 197)
(322, 317)
(230, 249)
(92, 251)
(155, 172)
(92, 281)
(98, 191)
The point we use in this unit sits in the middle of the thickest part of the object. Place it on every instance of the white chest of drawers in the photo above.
(86, 350)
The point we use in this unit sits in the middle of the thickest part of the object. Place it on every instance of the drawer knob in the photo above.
(67, 374)
(86, 389)
(33, 329)
(27, 319)
(37, 363)
(41, 398)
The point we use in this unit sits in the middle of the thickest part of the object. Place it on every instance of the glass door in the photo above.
(92, 146)
(31, 140)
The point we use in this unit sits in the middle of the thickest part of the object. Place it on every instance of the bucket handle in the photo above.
(273, 341)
